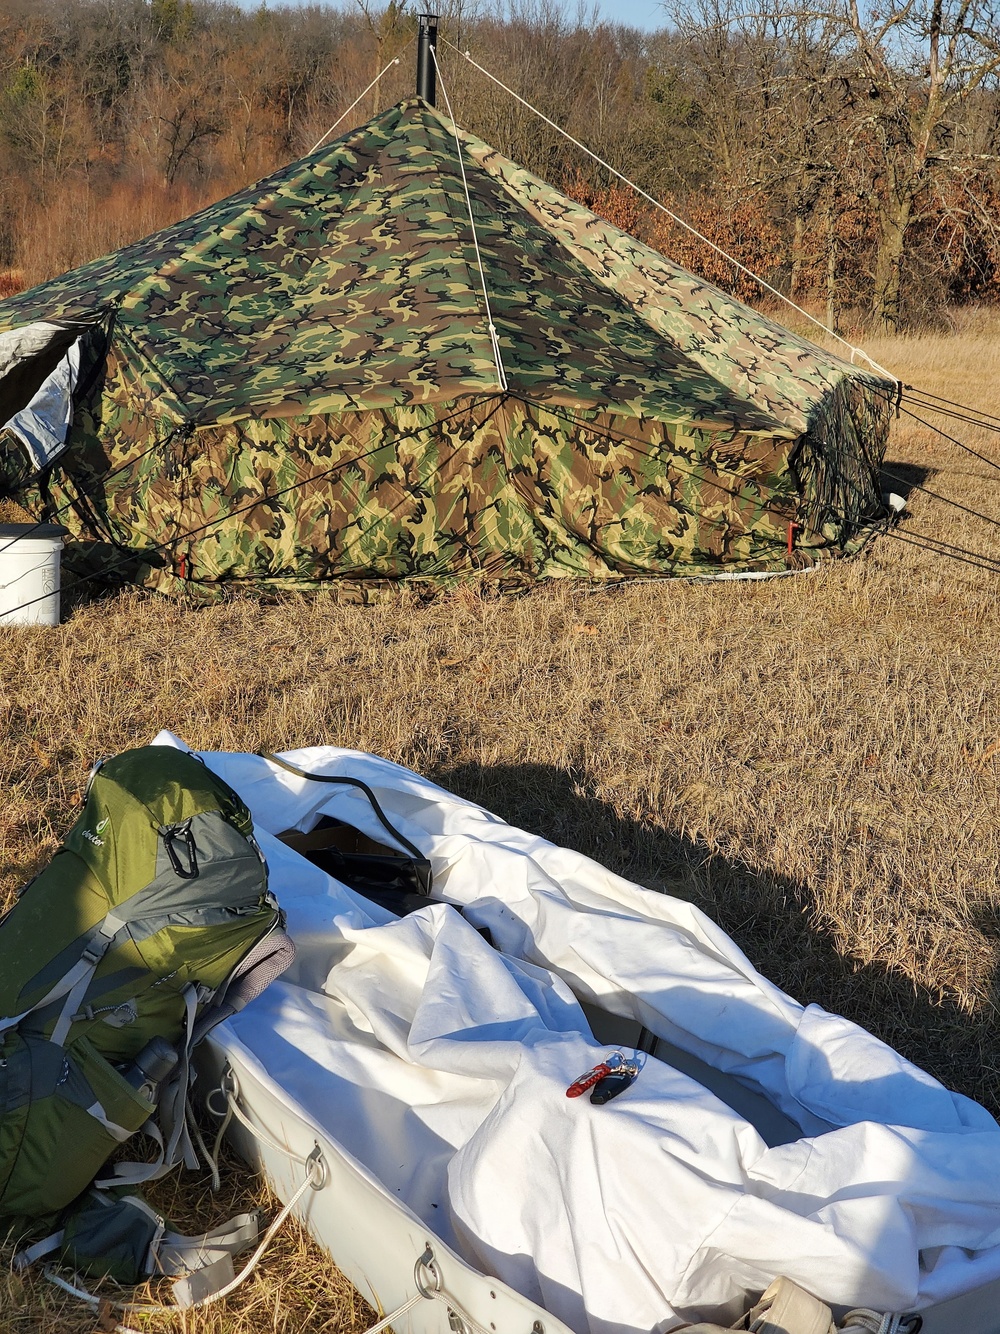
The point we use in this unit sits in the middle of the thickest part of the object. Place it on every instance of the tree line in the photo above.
(849, 156)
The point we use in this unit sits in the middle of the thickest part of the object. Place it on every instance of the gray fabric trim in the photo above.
(99, 944)
(142, 928)
(36, 1252)
(114, 1130)
(204, 1282)
(227, 863)
(178, 1254)
(72, 1083)
(132, 1174)
(67, 961)
(110, 982)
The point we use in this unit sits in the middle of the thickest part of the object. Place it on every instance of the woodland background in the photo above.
(850, 156)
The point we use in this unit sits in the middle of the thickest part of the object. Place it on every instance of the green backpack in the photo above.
(152, 923)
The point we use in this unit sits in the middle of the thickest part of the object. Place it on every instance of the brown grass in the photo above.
(812, 760)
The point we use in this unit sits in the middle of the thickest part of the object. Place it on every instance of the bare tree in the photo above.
(919, 67)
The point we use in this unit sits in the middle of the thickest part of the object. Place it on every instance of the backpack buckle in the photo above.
(95, 951)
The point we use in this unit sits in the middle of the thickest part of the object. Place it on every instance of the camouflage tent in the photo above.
(320, 378)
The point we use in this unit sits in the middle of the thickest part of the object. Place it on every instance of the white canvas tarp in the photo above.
(42, 424)
(441, 1064)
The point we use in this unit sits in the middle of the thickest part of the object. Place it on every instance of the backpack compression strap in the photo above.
(75, 982)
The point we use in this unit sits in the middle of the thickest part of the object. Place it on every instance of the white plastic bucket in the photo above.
(30, 573)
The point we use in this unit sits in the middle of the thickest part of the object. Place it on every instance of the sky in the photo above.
(646, 15)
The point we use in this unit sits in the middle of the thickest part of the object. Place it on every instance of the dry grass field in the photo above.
(813, 760)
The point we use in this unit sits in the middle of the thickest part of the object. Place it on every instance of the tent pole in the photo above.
(426, 75)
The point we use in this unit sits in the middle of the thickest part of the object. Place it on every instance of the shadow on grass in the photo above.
(903, 478)
(769, 917)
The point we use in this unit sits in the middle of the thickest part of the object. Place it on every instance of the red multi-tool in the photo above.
(608, 1078)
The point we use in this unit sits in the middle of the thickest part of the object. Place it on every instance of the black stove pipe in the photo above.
(426, 70)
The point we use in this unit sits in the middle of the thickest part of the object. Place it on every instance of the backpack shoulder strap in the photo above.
(267, 960)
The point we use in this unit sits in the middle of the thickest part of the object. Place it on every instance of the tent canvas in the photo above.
(300, 383)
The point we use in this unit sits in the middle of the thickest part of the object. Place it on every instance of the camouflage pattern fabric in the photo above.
(298, 384)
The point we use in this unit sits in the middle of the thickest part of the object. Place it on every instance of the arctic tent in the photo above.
(334, 375)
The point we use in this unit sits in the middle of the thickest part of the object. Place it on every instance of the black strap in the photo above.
(422, 868)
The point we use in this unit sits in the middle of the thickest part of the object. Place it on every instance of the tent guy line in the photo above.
(936, 495)
(494, 339)
(953, 416)
(854, 350)
(937, 547)
(925, 393)
(360, 98)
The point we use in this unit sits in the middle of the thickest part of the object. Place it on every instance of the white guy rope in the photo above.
(501, 373)
(199, 1141)
(231, 1094)
(345, 114)
(855, 351)
(312, 1168)
(393, 1316)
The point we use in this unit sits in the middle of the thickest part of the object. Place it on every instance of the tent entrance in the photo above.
(39, 368)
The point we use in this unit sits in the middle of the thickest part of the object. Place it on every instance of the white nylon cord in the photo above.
(231, 1094)
(855, 351)
(501, 373)
(217, 1144)
(393, 1316)
(268, 1237)
(374, 81)
(211, 1160)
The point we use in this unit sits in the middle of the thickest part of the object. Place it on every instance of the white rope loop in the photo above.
(854, 351)
(230, 1090)
(494, 339)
